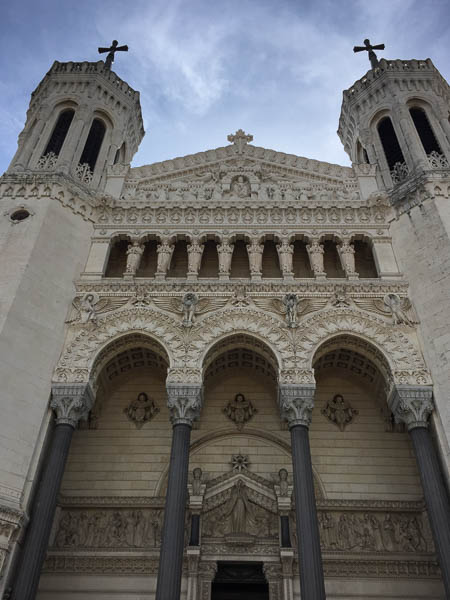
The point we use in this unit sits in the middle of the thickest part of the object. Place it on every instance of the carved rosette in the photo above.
(296, 403)
(71, 402)
(184, 402)
(412, 405)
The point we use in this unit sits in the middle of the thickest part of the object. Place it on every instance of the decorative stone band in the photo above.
(296, 403)
(71, 402)
(184, 402)
(412, 405)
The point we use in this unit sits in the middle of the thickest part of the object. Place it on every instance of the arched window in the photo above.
(117, 262)
(364, 261)
(389, 140)
(270, 261)
(93, 144)
(179, 262)
(59, 132)
(423, 127)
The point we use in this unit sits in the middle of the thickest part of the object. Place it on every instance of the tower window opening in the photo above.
(59, 132)
(426, 133)
(365, 156)
(93, 144)
(390, 144)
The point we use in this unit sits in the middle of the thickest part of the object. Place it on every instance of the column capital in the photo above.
(296, 403)
(184, 402)
(412, 404)
(71, 402)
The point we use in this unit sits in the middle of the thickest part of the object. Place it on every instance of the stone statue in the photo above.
(285, 253)
(225, 252)
(397, 308)
(195, 251)
(347, 255)
(284, 485)
(255, 252)
(339, 411)
(190, 301)
(240, 187)
(141, 410)
(134, 255)
(197, 482)
(165, 251)
(290, 302)
(315, 253)
(87, 309)
(239, 509)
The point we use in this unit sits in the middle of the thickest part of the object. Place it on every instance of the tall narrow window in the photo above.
(59, 132)
(93, 144)
(389, 140)
(426, 134)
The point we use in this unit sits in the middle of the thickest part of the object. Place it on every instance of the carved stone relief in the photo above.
(239, 410)
(339, 411)
(141, 410)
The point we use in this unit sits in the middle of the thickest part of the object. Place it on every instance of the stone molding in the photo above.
(184, 402)
(296, 403)
(71, 402)
(412, 405)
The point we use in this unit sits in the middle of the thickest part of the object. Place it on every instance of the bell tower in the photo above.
(394, 125)
(84, 122)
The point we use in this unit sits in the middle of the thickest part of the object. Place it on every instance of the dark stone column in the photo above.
(413, 405)
(71, 402)
(296, 404)
(184, 402)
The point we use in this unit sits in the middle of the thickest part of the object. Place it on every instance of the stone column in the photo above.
(315, 252)
(296, 405)
(346, 252)
(195, 252)
(207, 572)
(164, 251)
(184, 402)
(286, 254)
(413, 405)
(71, 402)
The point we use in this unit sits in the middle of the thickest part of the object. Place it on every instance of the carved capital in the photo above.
(412, 405)
(184, 402)
(296, 403)
(71, 402)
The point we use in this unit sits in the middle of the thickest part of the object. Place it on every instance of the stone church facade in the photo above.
(226, 373)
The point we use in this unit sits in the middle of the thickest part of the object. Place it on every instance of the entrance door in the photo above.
(239, 581)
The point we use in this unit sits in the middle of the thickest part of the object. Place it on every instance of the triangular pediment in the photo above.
(222, 166)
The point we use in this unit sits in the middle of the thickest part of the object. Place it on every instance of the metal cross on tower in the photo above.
(111, 50)
(370, 49)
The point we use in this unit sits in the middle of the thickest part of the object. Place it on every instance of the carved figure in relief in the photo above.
(315, 253)
(339, 411)
(398, 308)
(141, 410)
(285, 253)
(90, 307)
(240, 187)
(190, 302)
(134, 254)
(340, 299)
(87, 308)
(290, 301)
(195, 251)
(239, 509)
(225, 252)
(255, 252)
(165, 251)
(239, 410)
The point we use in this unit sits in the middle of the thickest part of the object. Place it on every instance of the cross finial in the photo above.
(370, 49)
(111, 50)
(240, 139)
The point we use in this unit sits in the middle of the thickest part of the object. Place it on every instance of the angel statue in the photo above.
(290, 302)
(190, 301)
(90, 307)
(397, 307)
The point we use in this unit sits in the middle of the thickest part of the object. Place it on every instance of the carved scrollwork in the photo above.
(71, 403)
(184, 402)
(296, 404)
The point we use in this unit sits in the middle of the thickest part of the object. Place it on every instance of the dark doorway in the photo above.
(239, 581)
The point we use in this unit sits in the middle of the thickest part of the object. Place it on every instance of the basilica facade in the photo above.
(226, 375)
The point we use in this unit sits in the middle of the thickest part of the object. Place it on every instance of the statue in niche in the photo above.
(284, 485)
(239, 509)
(339, 411)
(190, 301)
(240, 187)
(240, 411)
(141, 410)
(225, 251)
(290, 302)
(134, 254)
(197, 482)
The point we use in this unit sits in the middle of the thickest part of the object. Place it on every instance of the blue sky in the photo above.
(207, 68)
